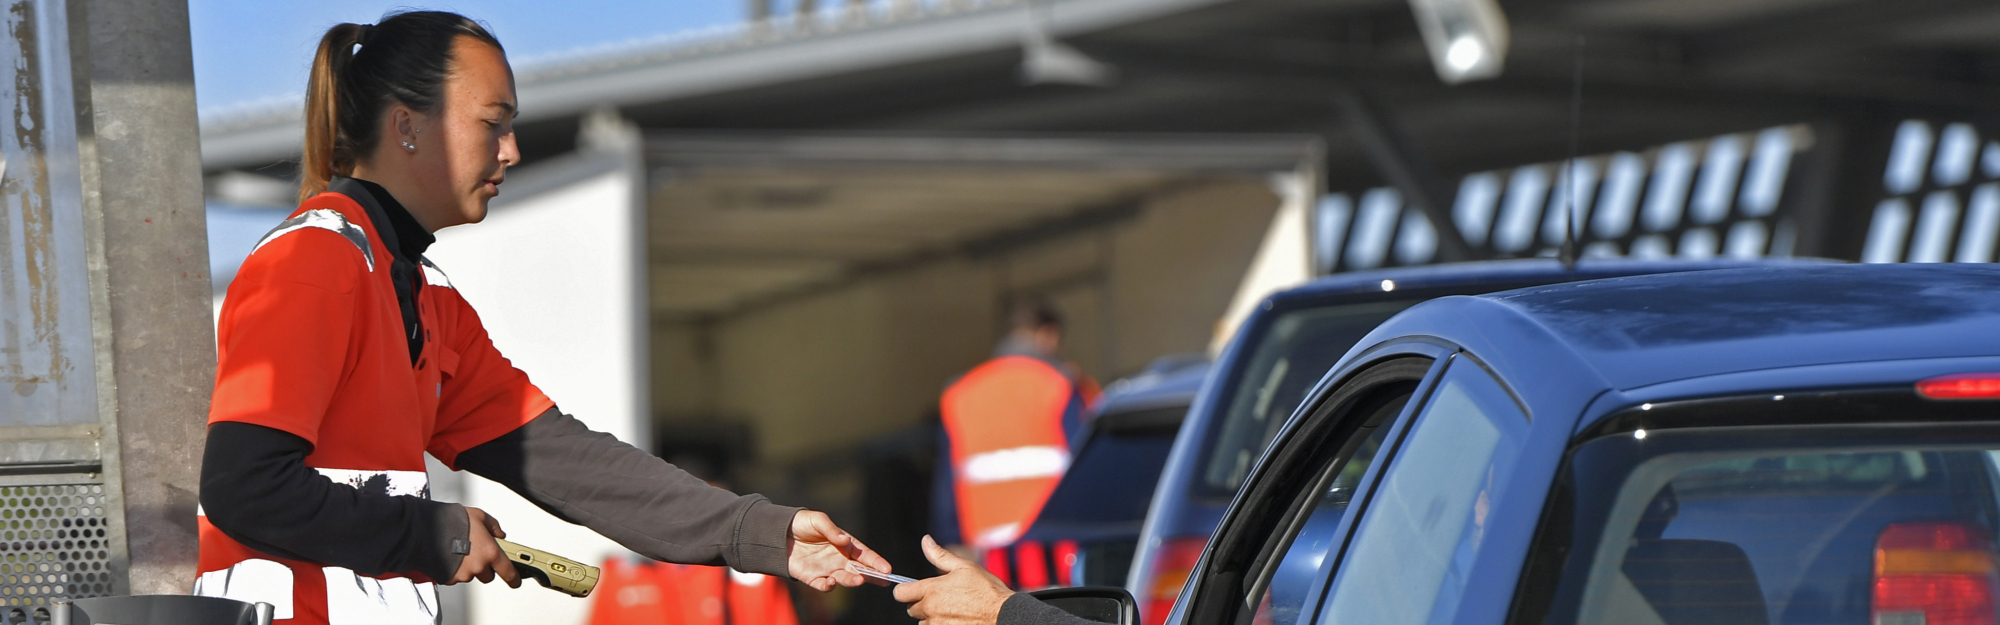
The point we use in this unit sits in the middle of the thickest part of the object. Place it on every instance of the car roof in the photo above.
(1167, 382)
(1579, 339)
(1526, 270)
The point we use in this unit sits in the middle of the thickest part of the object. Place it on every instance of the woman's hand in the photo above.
(486, 559)
(821, 551)
(964, 595)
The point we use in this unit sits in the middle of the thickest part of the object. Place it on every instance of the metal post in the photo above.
(1832, 194)
(1420, 183)
(59, 611)
(103, 294)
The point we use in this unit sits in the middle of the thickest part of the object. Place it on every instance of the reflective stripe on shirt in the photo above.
(1016, 463)
(325, 219)
(433, 275)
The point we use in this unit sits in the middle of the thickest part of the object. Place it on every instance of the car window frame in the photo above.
(1242, 348)
(1216, 590)
(1306, 502)
(1413, 414)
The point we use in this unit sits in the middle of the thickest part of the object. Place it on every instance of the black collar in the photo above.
(406, 240)
(404, 237)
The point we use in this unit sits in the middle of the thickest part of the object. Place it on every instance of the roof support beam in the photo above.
(1830, 31)
(1391, 152)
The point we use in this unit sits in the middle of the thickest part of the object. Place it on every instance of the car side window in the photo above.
(1253, 563)
(1421, 528)
(1292, 582)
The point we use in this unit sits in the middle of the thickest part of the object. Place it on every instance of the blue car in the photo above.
(1768, 446)
(1280, 351)
(1088, 529)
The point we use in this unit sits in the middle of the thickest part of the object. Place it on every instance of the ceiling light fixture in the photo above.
(1467, 39)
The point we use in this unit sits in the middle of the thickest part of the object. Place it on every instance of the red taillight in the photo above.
(1031, 565)
(996, 563)
(1935, 574)
(1066, 551)
(1961, 386)
(1170, 572)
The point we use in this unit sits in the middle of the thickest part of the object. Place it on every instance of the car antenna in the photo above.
(1568, 252)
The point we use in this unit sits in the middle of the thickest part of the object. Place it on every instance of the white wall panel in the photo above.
(555, 278)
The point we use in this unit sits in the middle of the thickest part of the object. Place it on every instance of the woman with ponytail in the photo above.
(345, 356)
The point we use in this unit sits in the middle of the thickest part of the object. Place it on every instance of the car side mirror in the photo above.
(1103, 604)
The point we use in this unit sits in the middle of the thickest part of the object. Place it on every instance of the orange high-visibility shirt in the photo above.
(311, 342)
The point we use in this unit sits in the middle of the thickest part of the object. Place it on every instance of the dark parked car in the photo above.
(1280, 351)
(1809, 444)
(1086, 532)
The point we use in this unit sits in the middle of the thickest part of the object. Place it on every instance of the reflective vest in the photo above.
(1008, 449)
(660, 593)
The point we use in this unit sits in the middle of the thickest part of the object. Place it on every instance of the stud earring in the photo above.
(409, 146)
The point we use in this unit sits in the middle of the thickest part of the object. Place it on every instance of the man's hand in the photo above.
(964, 595)
(821, 551)
(486, 558)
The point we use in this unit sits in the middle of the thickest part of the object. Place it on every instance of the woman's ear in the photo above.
(404, 124)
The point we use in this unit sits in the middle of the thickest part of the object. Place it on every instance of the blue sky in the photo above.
(247, 51)
(251, 51)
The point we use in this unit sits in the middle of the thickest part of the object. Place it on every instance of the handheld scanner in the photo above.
(561, 574)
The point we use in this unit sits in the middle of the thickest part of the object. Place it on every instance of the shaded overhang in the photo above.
(740, 222)
(1652, 72)
(557, 91)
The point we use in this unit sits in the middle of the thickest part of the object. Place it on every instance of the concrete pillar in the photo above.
(141, 163)
(106, 348)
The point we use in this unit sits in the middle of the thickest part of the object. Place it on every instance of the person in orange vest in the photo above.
(1007, 427)
(345, 357)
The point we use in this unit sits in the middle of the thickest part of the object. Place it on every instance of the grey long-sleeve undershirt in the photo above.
(642, 502)
(257, 490)
(1021, 609)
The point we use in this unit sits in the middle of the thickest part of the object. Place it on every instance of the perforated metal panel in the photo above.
(55, 541)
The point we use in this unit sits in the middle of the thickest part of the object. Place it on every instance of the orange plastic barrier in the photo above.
(659, 593)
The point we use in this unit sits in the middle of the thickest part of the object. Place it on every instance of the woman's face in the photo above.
(464, 148)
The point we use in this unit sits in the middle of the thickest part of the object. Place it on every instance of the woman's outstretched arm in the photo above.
(651, 507)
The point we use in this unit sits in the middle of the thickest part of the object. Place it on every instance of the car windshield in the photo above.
(1287, 361)
(1779, 526)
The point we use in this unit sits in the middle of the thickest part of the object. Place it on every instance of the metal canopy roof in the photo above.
(1352, 72)
(740, 222)
(1654, 70)
(556, 91)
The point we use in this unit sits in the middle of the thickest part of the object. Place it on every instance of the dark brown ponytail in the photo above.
(336, 52)
(359, 70)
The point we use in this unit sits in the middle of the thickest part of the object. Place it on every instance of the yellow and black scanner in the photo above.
(562, 574)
